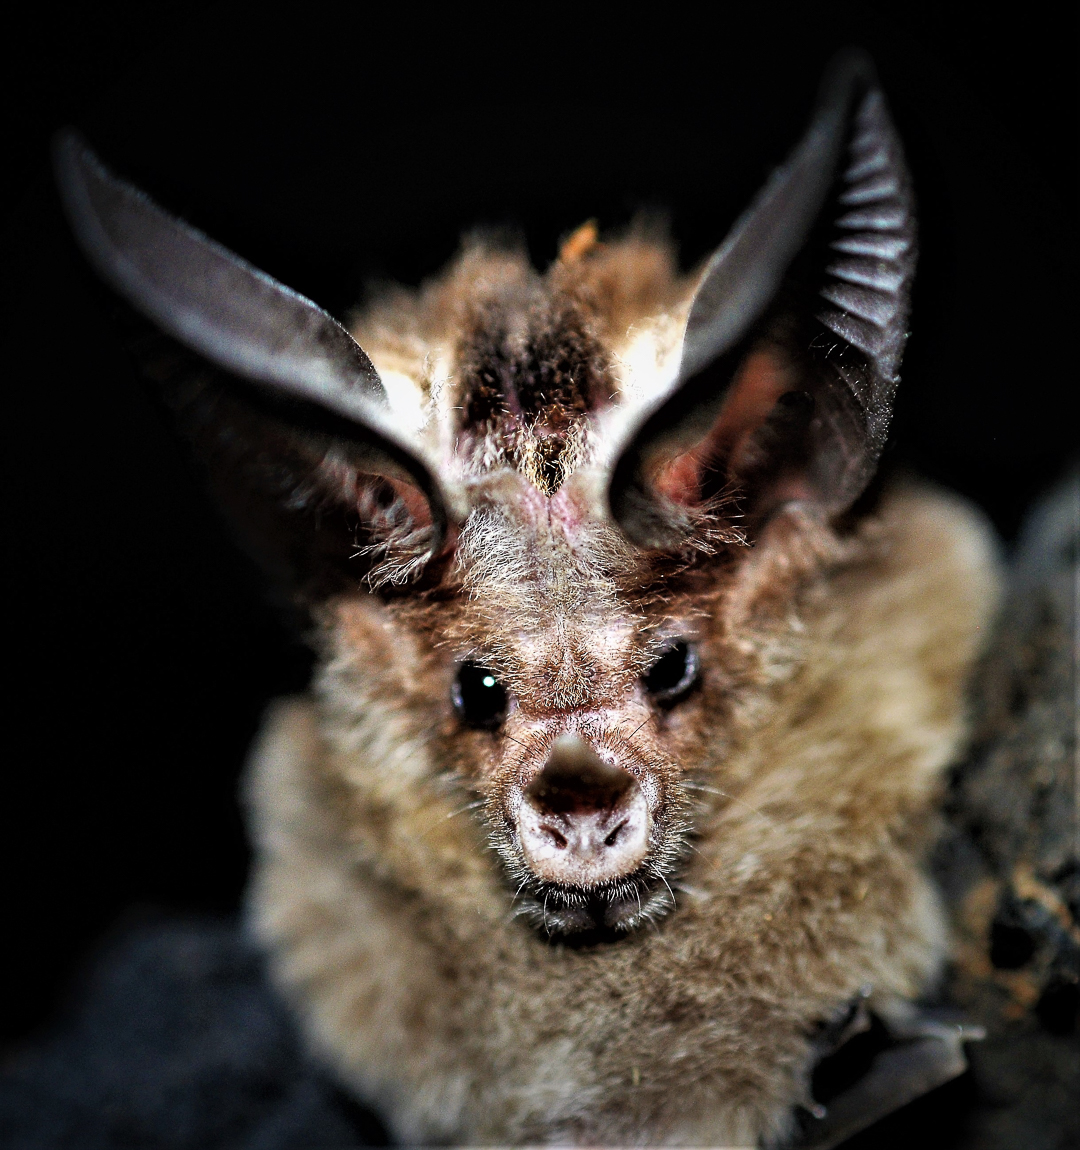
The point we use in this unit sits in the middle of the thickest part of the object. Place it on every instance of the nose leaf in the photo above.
(583, 821)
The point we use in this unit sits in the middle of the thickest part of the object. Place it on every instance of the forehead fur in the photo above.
(497, 366)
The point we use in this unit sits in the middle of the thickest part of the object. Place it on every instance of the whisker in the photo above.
(730, 797)
(516, 911)
(636, 729)
(466, 807)
(771, 820)
(674, 904)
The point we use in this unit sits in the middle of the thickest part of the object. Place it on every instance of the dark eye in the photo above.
(673, 674)
(479, 697)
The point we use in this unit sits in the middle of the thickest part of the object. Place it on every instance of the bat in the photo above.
(605, 818)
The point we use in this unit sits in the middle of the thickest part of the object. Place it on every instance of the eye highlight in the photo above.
(479, 698)
(673, 675)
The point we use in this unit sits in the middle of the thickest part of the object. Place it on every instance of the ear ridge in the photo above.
(290, 358)
(869, 280)
(865, 291)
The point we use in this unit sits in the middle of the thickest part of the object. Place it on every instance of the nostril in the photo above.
(611, 839)
(558, 839)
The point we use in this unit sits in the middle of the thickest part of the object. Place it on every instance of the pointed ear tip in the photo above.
(69, 151)
(62, 150)
(65, 138)
(68, 146)
(73, 162)
(850, 67)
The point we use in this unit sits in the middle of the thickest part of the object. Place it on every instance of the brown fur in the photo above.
(796, 786)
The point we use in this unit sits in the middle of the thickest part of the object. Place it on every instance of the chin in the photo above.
(602, 913)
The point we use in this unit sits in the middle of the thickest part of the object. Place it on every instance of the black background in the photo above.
(333, 146)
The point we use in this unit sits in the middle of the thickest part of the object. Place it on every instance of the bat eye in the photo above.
(672, 676)
(479, 698)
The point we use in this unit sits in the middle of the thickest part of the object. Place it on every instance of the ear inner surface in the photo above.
(759, 383)
(819, 268)
(282, 351)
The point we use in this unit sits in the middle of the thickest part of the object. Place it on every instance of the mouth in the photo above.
(606, 911)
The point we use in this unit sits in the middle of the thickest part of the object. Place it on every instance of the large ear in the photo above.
(794, 335)
(284, 406)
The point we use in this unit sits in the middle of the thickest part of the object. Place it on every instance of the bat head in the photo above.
(564, 499)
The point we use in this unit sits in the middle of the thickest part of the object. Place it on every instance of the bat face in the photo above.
(597, 626)
(571, 701)
(584, 683)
